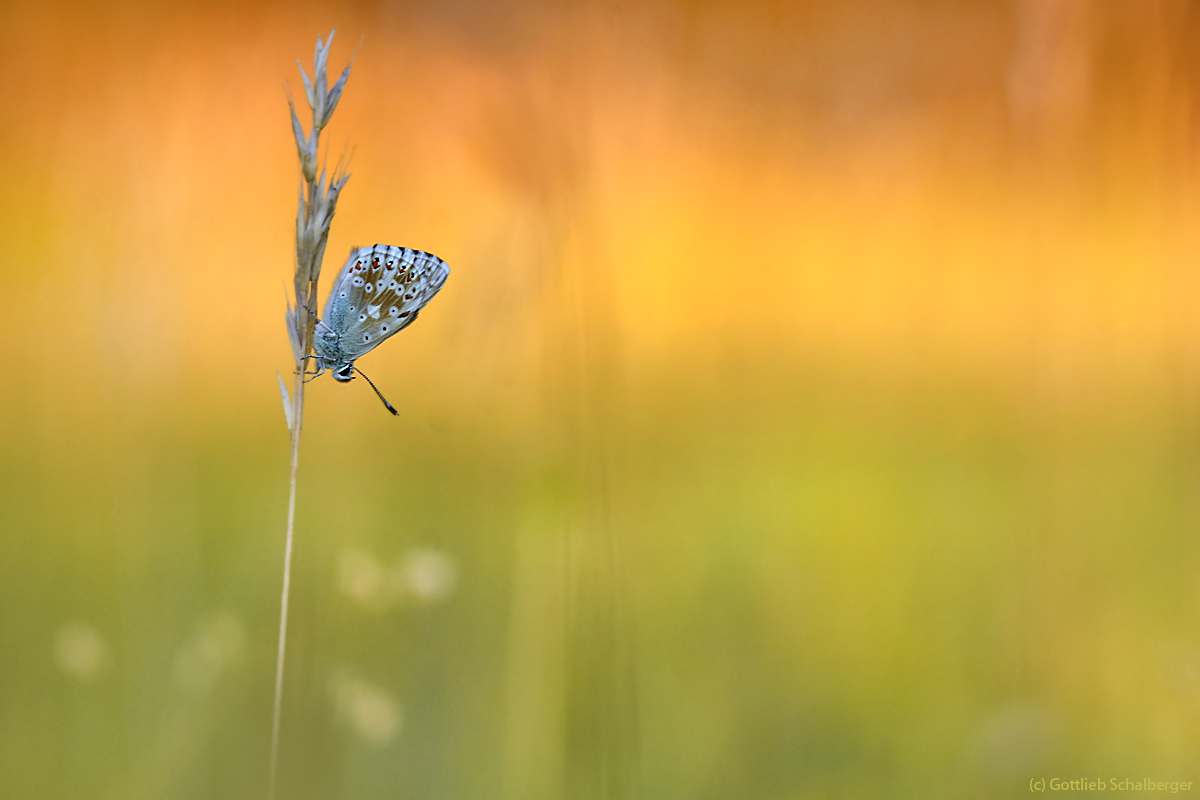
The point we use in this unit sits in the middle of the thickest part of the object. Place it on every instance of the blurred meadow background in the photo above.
(813, 409)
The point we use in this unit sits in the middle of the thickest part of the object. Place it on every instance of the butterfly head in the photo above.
(344, 373)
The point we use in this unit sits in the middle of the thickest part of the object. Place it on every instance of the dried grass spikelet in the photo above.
(318, 196)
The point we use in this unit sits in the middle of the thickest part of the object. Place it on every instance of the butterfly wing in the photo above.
(378, 293)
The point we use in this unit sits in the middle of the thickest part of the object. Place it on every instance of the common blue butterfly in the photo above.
(378, 293)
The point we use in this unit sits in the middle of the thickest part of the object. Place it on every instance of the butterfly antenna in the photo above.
(381, 397)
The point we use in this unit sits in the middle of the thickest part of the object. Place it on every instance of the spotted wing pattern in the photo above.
(378, 293)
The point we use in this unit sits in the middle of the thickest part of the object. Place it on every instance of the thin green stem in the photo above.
(305, 301)
(317, 201)
(297, 414)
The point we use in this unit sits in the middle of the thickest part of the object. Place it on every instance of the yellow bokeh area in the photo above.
(811, 410)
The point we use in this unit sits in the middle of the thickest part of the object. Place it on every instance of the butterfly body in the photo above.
(378, 293)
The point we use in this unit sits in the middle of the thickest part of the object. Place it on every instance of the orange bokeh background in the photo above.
(1004, 190)
(842, 358)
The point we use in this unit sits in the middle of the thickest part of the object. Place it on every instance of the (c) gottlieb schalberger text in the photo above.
(1109, 785)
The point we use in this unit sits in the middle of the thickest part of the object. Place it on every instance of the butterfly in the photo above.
(377, 294)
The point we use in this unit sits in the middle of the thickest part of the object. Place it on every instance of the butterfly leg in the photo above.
(312, 376)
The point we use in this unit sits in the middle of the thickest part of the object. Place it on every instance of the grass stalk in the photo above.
(318, 200)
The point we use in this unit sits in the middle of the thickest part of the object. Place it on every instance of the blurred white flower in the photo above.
(217, 644)
(422, 575)
(370, 711)
(427, 575)
(1178, 668)
(1016, 740)
(360, 576)
(80, 651)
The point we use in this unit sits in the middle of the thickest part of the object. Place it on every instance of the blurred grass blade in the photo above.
(288, 411)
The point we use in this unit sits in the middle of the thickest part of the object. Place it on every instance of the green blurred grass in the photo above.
(835, 585)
